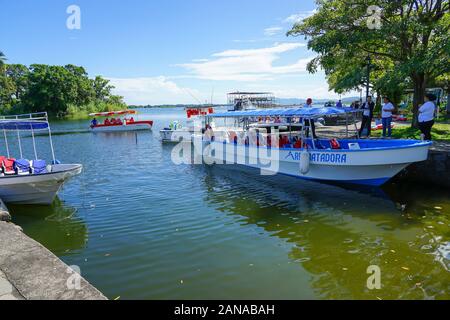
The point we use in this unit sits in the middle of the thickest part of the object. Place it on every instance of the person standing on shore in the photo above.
(367, 108)
(426, 116)
(386, 116)
(310, 123)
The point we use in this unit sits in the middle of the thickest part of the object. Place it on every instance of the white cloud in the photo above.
(300, 16)
(272, 31)
(248, 64)
(152, 90)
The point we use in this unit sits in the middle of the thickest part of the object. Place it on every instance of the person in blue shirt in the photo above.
(94, 122)
(339, 104)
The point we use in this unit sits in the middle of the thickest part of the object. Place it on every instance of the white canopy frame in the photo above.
(29, 121)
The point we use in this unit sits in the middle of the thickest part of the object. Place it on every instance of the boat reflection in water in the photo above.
(67, 235)
(335, 234)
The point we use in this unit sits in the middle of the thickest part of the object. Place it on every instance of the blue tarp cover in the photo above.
(313, 112)
(23, 125)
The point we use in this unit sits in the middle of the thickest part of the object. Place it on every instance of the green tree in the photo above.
(18, 74)
(2, 59)
(102, 88)
(409, 46)
(54, 88)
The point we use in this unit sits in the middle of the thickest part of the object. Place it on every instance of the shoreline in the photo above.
(29, 271)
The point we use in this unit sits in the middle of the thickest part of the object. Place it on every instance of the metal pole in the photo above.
(51, 144)
(6, 142)
(346, 124)
(356, 126)
(368, 77)
(312, 133)
(34, 142)
(20, 144)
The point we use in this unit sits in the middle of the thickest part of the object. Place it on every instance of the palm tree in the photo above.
(2, 58)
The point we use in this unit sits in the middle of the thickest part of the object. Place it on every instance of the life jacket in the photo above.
(335, 144)
(284, 141)
(298, 144)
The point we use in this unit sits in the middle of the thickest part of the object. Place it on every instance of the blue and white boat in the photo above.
(275, 141)
(24, 181)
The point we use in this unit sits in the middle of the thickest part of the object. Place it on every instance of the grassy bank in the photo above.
(82, 112)
(440, 132)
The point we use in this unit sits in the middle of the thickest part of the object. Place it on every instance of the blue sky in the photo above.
(158, 52)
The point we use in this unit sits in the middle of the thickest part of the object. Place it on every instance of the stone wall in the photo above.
(436, 170)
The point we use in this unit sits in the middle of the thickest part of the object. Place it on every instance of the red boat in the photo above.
(120, 121)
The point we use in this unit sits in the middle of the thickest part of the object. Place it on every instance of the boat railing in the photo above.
(29, 122)
(38, 116)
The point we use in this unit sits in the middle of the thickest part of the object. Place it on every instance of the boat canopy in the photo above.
(23, 125)
(30, 123)
(113, 113)
(313, 112)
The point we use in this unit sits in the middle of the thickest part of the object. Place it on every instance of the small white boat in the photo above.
(176, 132)
(39, 188)
(119, 124)
(31, 182)
(355, 161)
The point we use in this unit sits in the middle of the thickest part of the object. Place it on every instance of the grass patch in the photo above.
(440, 132)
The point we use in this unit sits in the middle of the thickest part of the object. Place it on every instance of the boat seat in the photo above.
(8, 166)
(38, 167)
(1, 164)
(22, 166)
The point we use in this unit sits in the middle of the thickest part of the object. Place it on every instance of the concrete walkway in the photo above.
(7, 290)
(30, 271)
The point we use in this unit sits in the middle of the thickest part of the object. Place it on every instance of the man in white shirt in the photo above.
(386, 116)
(426, 116)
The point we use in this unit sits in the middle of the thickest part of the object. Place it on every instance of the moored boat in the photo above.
(122, 123)
(176, 132)
(31, 182)
(291, 152)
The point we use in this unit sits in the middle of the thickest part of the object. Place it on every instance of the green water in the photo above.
(140, 227)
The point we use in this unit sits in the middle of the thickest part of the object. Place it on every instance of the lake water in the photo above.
(140, 227)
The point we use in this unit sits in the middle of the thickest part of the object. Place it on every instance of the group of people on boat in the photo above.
(112, 122)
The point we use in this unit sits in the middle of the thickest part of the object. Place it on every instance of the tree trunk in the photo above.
(419, 96)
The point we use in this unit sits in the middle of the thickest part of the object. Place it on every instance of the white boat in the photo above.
(122, 123)
(37, 189)
(195, 122)
(356, 161)
(31, 182)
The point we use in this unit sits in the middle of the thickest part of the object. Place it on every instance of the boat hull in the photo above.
(136, 126)
(365, 167)
(175, 136)
(37, 189)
